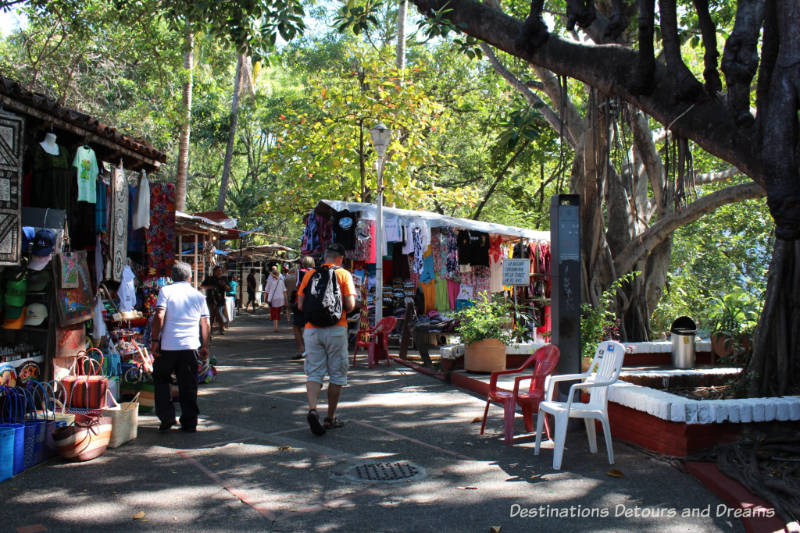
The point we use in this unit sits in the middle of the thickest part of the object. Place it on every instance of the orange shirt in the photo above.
(346, 285)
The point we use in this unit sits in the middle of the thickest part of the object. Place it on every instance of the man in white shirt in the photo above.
(180, 335)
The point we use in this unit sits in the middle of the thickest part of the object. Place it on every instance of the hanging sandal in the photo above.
(332, 423)
(313, 422)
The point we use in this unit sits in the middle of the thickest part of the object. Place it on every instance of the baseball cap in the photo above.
(28, 235)
(39, 262)
(38, 280)
(336, 248)
(35, 314)
(43, 242)
(15, 322)
(14, 299)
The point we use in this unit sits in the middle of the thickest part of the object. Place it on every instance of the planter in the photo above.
(721, 344)
(488, 355)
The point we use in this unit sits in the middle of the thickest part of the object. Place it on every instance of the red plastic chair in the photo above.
(545, 360)
(376, 341)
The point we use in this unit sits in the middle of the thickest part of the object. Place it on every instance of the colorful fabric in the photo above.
(161, 235)
(453, 288)
(436, 250)
(449, 250)
(442, 296)
(101, 206)
(427, 273)
(429, 292)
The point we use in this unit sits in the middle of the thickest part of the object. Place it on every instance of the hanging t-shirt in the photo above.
(427, 273)
(141, 214)
(344, 229)
(86, 164)
(473, 248)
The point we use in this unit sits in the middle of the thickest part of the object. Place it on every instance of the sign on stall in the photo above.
(516, 271)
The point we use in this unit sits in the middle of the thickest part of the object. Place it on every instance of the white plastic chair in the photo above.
(604, 371)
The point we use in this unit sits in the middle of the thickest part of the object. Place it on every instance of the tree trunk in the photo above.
(186, 126)
(400, 60)
(226, 165)
(774, 367)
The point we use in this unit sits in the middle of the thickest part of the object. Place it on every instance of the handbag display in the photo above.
(85, 387)
(124, 422)
(85, 440)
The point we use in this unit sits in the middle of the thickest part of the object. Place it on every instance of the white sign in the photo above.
(516, 271)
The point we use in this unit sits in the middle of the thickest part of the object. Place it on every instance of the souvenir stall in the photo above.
(440, 263)
(86, 236)
(79, 217)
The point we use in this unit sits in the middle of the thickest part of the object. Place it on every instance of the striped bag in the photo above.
(85, 440)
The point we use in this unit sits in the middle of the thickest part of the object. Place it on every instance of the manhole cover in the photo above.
(374, 472)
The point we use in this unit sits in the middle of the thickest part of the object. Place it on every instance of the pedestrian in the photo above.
(276, 296)
(326, 305)
(251, 290)
(181, 331)
(298, 318)
(233, 284)
(216, 287)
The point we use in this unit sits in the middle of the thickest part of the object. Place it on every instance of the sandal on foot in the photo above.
(313, 422)
(332, 423)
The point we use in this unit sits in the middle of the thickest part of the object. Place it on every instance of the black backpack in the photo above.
(322, 298)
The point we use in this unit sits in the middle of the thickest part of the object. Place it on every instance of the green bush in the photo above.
(487, 319)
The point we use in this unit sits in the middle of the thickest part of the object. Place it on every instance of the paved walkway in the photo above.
(255, 466)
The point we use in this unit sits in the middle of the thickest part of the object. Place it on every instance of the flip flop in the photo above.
(313, 422)
(332, 423)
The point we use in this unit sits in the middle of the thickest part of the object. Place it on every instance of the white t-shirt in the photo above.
(85, 163)
(184, 306)
(275, 289)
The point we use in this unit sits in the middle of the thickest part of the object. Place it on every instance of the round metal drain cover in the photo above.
(374, 472)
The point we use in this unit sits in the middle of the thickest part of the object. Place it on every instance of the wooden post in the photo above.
(196, 272)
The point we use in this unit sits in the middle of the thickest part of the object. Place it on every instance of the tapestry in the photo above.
(11, 148)
(119, 223)
(161, 234)
(74, 305)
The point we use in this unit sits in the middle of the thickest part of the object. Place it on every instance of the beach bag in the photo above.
(86, 439)
(322, 299)
(6, 453)
(124, 422)
(85, 387)
(12, 420)
(34, 431)
(48, 413)
(140, 384)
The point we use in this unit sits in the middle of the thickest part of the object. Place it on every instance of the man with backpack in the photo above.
(325, 296)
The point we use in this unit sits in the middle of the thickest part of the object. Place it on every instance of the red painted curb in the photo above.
(757, 515)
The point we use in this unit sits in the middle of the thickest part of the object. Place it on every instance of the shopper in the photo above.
(180, 336)
(216, 287)
(276, 296)
(233, 284)
(325, 335)
(251, 290)
(298, 319)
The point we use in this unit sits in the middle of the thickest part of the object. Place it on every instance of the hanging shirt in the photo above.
(127, 290)
(344, 229)
(141, 213)
(86, 164)
(424, 236)
(101, 206)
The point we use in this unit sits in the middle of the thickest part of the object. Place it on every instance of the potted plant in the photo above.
(483, 329)
(734, 318)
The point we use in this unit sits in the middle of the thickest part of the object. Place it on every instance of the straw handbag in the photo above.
(124, 421)
(84, 441)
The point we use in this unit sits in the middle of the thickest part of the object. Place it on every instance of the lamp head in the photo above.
(381, 137)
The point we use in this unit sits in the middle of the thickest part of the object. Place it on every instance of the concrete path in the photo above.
(255, 466)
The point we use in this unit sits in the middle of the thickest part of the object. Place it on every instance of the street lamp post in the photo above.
(381, 137)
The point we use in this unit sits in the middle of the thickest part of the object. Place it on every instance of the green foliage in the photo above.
(487, 319)
(600, 323)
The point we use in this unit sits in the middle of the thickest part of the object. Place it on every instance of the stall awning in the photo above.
(110, 145)
(434, 220)
(191, 224)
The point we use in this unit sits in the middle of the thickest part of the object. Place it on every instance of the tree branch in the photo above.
(549, 115)
(708, 121)
(740, 57)
(659, 231)
(713, 177)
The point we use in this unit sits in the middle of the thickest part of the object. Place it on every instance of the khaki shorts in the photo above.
(326, 353)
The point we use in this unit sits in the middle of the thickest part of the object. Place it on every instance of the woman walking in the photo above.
(276, 296)
(298, 319)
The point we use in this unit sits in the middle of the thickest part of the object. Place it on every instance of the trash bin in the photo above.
(682, 333)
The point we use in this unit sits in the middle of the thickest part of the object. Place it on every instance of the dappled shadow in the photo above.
(255, 466)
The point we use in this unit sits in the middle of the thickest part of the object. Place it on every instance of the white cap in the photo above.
(38, 263)
(35, 314)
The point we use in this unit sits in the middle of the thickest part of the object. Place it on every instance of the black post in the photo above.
(565, 271)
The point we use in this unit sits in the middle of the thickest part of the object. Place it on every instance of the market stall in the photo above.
(440, 263)
(85, 231)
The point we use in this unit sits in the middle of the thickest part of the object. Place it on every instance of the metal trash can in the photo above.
(682, 333)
